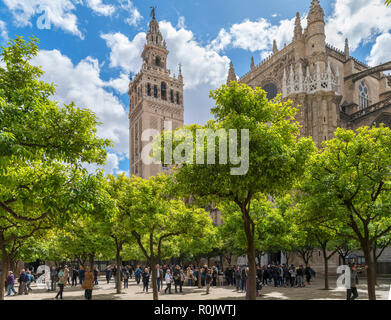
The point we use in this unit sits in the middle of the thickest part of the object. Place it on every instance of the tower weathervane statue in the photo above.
(153, 12)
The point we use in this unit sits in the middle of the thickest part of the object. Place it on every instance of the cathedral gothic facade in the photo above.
(329, 87)
(155, 100)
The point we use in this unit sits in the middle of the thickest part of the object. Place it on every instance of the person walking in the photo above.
(75, 274)
(238, 278)
(10, 283)
(145, 275)
(354, 271)
(159, 277)
(22, 282)
(96, 275)
(137, 274)
(81, 274)
(177, 278)
(88, 283)
(189, 276)
(293, 273)
(29, 280)
(61, 283)
(53, 278)
(208, 280)
(300, 277)
(126, 278)
(308, 273)
(168, 279)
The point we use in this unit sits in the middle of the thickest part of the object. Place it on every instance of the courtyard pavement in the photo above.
(314, 291)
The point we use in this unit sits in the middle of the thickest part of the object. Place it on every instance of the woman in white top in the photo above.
(168, 279)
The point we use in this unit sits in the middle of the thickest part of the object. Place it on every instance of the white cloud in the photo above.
(3, 31)
(111, 166)
(256, 35)
(59, 13)
(381, 50)
(100, 8)
(125, 54)
(135, 16)
(82, 84)
(200, 64)
(358, 20)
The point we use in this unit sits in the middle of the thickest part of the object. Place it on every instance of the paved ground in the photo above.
(313, 291)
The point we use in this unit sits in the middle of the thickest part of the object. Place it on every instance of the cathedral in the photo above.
(329, 87)
(155, 100)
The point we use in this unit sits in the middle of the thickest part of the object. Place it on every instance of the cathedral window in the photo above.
(172, 96)
(149, 89)
(363, 95)
(177, 97)
(155, 91)
(271, 90)
(164, 91)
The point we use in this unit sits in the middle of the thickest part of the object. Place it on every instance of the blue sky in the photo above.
(91, 46)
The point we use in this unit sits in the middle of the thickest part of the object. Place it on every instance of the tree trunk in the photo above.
(4, 271)
(375, 262)
(118, 261)
(91, 258)
(250, 256)
(154, 279)
(326, 269)
(370, 272)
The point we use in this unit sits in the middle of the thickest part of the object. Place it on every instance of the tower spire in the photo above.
(252, 65)
(154, 36)
(316, 12)
(231, 74)
(298, 28)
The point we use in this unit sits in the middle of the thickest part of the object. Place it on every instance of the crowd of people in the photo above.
(172, 278)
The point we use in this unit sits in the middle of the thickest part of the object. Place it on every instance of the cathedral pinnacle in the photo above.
(252, 65)
(275, 49)
(231, 73)
(298, 28)
(347, 54)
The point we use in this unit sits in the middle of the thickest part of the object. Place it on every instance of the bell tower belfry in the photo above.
(155, 100)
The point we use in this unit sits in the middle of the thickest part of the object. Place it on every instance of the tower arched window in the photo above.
(149, 89)
(363, 95)
(157, 61)
(172, 96)
(177, 97)
(164, 91)
(155, 91)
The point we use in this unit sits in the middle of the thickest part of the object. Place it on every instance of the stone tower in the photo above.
(155, 101)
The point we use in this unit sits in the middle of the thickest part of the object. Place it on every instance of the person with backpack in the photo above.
(29, 280)
(137, 274)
